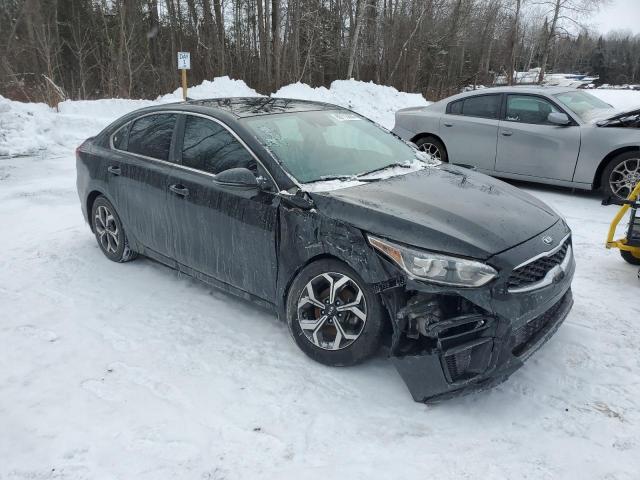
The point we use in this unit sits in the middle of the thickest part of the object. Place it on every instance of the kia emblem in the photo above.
(547, 240)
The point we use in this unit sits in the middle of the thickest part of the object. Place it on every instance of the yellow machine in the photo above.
(629, 246)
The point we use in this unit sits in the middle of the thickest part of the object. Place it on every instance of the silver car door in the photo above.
(528, 144)
(469, 130)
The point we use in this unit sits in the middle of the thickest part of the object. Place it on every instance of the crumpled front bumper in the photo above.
(481, 349)
(493, 358)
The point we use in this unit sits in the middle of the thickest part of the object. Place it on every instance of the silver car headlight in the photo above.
(434, 267)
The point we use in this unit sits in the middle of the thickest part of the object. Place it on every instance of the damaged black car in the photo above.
(352, 236)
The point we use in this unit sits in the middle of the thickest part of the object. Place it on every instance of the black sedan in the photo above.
(352, 236)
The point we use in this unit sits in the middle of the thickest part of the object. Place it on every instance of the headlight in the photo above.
(435, 268)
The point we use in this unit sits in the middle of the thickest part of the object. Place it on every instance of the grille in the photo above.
(535, 271)
(527, 334)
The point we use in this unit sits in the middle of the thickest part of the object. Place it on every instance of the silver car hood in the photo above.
(611, 120)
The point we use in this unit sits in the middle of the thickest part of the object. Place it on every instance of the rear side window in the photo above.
(151, 135)
(120, 137)
(455, 108)
(209, 147)
(485, 106)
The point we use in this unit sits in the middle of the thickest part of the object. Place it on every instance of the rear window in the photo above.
(151, 135)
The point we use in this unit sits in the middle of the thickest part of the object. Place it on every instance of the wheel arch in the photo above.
(597, 180)
(418, 136)
(296, 272)
(389, 324)
(91, 198)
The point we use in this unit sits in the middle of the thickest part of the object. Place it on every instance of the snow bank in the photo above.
(219, 87)
(377, 102)
(26, 128)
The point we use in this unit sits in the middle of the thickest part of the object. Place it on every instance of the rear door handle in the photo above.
(114, 170)
(448, 124)
(507, 133)
(179, 190)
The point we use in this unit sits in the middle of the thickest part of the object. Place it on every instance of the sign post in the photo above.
(184, 64)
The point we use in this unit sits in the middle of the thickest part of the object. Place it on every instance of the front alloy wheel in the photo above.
(333, 315)
(624, 177)
(332, 311)
(621, 175)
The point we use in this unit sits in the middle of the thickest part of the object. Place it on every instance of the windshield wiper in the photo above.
(326, 178)
(397, 164)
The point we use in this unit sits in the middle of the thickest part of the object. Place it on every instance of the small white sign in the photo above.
(184, 61)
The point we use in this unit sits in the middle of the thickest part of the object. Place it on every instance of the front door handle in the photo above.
(507, 133)
(179, 190)
(448, 124)
(114, 170)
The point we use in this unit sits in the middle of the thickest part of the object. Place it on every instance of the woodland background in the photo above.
(56, 49)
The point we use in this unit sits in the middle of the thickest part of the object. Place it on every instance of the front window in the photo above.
(319, 145)
(529, 109)
(209, 147)
(584, 105)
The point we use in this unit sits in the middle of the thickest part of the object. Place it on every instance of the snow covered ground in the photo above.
(133, 371)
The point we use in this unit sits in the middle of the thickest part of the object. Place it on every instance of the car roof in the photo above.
(533, 89)
(242, 107)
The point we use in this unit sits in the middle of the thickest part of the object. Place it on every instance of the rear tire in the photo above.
(109, 231)
(630, 257)
(621, 175)
(333, 315)
(431, 145)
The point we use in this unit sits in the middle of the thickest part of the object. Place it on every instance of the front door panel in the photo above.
(545, 151)
(228, 233)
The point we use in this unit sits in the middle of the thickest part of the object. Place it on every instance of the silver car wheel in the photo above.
(625, 177)
(107, 229)
(431, 149)
(332, 311)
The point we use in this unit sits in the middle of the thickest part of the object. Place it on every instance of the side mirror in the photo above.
(237, 177)
(558, 118)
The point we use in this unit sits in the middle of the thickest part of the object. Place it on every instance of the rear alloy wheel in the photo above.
(109, 231)
(433, 147)
(622, 175)
(332, 315)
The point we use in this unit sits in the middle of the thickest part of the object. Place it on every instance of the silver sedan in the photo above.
(554, 135)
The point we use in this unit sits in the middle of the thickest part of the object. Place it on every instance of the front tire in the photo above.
(333, 315)
(109, 231)
(630, 257)
(621, 175)
(434, 147)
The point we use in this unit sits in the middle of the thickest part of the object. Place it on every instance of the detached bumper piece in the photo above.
(473, 352)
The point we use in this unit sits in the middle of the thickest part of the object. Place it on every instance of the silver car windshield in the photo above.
(330, 144)
(584, 105)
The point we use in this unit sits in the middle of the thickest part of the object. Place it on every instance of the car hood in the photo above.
(622, 119)
(444, 209)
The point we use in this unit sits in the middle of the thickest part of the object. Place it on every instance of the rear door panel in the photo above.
(470, 140)
(469, 130)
